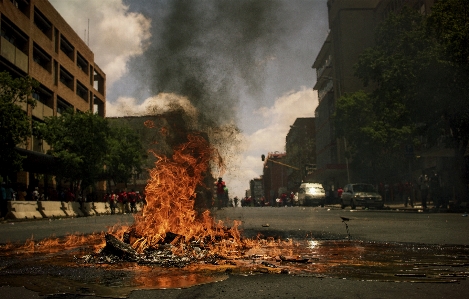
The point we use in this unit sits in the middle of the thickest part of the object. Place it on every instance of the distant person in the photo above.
(339, 192)
(423, 185)
(220, 192)
(36, 195)
(435, 190)
(3, 201)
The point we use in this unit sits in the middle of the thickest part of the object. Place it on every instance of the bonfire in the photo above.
(169, 230)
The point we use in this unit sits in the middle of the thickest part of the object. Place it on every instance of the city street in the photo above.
(298, 223)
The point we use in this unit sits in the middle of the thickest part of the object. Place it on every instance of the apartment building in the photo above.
(351, 30)
(275, 176)
(300, 145)
(37, 42)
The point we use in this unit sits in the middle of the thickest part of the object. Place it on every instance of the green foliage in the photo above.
(15, 125)
(125, 154)
(79, 140)
(417, 75)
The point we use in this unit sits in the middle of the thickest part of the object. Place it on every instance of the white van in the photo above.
(311, 194)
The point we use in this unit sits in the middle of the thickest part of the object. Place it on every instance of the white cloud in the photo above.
(115, 34)
(278, 119)
(271, 137)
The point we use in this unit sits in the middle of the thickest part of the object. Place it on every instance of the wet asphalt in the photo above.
(391, 225)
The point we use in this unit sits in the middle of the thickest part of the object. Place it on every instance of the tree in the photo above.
(80, 142)
(15, 125)
(418, 75)
(379, 124)
(125, 155)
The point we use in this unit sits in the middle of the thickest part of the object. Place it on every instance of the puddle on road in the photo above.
(64, 271)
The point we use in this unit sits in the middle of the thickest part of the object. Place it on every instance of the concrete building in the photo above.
(256, 189)
(300, 145)
(37, 42)
(352, 25)
(275, 176)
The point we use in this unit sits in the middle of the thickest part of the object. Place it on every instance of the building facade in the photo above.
(351, 30)
(275, 176)
(37, 42)
(300, 145)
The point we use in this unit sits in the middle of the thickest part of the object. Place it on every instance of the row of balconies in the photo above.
(14, 55)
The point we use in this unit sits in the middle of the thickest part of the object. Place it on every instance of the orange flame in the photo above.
(170, 195)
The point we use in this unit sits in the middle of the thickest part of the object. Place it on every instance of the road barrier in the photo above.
(72, 209)
(51, 209)
(102, 208)
(139, 206)
(88, 209)
(55, 209)
(23, 210)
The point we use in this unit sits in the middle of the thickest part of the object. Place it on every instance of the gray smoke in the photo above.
(211, 52)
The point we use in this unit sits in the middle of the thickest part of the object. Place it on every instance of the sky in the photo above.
(242, 63)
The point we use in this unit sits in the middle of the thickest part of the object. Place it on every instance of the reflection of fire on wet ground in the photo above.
(171, 239)
(78, 270)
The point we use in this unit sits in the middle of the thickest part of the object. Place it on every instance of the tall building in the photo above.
(275, 176)
(300, 145)
(37, 42)
(351, 30)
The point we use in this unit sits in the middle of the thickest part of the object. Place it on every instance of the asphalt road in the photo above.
(295, 222)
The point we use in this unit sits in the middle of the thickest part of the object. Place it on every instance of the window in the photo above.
(42, 95)
(42, 58)
(82, 63)
(67, 47)
(62, 105)
(14, 35)
(66, 78)
(22, 5)
(42, 23)
(82, 91)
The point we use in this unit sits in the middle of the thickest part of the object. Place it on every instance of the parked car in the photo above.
(361, 195)
(311, 194)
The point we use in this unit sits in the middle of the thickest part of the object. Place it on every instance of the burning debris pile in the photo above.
(170, 231)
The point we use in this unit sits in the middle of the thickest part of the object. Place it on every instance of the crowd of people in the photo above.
(120, 201)
(124, 202)
(427, 187)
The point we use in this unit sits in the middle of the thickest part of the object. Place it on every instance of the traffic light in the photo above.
(263, 157)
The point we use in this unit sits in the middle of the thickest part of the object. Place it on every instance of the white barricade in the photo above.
(51, 209)
(23, 210)
(72, 209)
(88, 209)
(102, 208)
(139, 206)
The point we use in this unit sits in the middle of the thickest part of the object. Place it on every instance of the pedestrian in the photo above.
(69, 196)
(132, 198)
(112, 202)
(339, 192)
(121, 201)
(220, 184)
(435, 192)
(225, 196)
(9, 193)
(284, 199)
(236, 199)
(3, 201)
(139, 199)
(408, 197)
(36, 195)
(423, 185)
